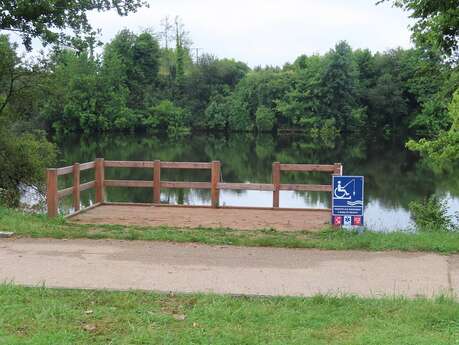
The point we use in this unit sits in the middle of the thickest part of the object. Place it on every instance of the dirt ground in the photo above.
(160, 266)
(243, 219)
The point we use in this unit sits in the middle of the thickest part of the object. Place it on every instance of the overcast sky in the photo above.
(271, 32)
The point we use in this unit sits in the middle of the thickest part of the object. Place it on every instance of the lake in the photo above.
(393, 175)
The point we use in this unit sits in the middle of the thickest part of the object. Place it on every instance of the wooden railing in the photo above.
(100, 183)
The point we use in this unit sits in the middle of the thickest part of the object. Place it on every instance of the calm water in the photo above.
(393, 176)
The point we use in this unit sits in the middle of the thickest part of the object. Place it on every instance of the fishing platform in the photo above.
(214, 215)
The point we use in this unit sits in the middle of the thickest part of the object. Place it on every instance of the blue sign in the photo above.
(347, 200)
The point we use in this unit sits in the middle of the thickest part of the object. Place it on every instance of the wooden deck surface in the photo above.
(192, 217)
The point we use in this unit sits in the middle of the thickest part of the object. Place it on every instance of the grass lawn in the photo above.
(32, 225)
(48, 316)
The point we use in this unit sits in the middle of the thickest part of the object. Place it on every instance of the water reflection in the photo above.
(393, 176)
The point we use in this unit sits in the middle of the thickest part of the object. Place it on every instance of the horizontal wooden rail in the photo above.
(129, 183)
(307, 187)
(65, 170)
(179, 185)
(186, 165)
(69, 169)
(64, 192)
(150, 164)
(308, 167)
(128, 164)
(247, 186)
(270, 187)
(100, 183)
(163, 184)
(87, 185)
(87, 166)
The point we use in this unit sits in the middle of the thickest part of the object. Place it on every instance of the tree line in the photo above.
(136, 84)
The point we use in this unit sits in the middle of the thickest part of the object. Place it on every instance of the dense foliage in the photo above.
(57, 21)
(436, 24)
(23, 162)
(444, 149)
(24, 151)
(137, 85)
(431, 214)
(436, 29)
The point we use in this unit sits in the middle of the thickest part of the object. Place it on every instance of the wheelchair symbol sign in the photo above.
(340, 192)
(347, 200)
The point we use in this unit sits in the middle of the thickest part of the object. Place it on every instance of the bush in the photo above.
(23, 162)
(325, 135)
(431, 214)
(265, 118)
(216, 116)
(166, 115)
(443, 151)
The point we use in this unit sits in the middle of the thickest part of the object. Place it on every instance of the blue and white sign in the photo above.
(347, 200)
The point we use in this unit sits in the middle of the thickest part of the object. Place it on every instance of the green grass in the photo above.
(32, 225)
(47, 316)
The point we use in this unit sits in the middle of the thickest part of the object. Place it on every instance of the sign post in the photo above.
(347, 201)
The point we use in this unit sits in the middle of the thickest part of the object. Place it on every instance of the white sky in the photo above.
(267, 32)
(271, 32)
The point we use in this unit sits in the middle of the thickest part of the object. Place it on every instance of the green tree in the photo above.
(182, 43)
(436, 23)
(424, 76)
(129, 77)
(52, 20)
(24, 158)
(145, 55)
(299, 107)
(216, 114)
(9, 72)
(113, 94)
(24, 153)
(442, 152)
(145, 66)
(387, 104)
(208, 77)
(339, 87)
(436, 30)
(72, 88)
(264, 87)
(265, 119)
(166, 115)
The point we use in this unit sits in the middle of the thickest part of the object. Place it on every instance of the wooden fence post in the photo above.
(157, 182)
(76, 186)
(100, 178)
(276, 183)
(338, 169)
(214, 180)
(51, 193)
